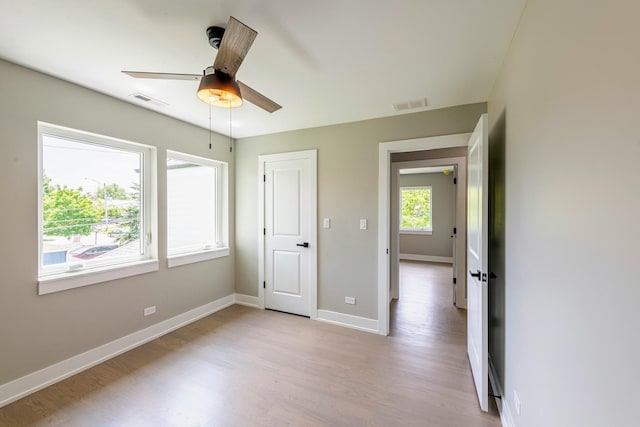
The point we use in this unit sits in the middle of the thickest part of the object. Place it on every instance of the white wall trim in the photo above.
(354, 322)
(427, 258)
(503, 408)
(384, 183)
(190, 258)
(247, 300)
(30, 383)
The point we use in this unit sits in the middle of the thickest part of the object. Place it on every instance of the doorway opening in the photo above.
(424, 217)
(395, 155)
(474, 216)
(423, 226)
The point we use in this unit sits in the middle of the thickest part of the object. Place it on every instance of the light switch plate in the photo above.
(326, 223)
(363, 224)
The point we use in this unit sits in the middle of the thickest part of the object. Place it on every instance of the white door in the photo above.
(454, 237)
(477, 260)
(289, 231)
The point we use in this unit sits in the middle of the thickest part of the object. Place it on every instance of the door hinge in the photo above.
(387, 251)
(264, 178)
(264, 231)
(455, 180)
(454, 280)
(264, 285)
(454, 230)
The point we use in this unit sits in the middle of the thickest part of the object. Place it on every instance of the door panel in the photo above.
(286, 273)
(477, 260)
(286, 202)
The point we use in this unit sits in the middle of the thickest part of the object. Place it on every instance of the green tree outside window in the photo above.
(415, 208)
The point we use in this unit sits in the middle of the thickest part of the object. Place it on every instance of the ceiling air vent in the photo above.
(146, 98)
(410, 105)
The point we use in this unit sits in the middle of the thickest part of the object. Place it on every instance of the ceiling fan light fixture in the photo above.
(219, 90)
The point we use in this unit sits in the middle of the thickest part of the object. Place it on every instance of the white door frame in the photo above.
(384, 205)
(313, 221)
(460, 219)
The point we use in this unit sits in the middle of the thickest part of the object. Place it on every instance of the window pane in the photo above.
(191, 206)
(415, 208)
(91, 204)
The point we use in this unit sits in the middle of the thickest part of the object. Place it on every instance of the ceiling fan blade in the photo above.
(236, 41)
(163, 76)
(258, 99)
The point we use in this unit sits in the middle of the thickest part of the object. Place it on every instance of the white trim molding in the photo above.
(427, 258)
(503, 407)
(189, 258)
(62, 282)
(23, 386)
(346, 320)
(247, 300)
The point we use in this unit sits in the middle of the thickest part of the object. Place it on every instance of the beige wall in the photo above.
(37, 331)
(570, 92)
(439, 243)
(347, 192)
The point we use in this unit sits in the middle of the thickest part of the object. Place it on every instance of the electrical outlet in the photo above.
(149, 310)
(516, 402)
(349, 300)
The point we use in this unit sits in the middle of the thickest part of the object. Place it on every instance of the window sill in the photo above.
(189, 258)
(417, 232)
(71, 280)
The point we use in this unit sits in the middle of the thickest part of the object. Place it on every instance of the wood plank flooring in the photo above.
(248, 367)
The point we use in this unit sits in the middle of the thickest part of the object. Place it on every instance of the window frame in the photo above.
(420, 231)
(78, 275)
(221, 225)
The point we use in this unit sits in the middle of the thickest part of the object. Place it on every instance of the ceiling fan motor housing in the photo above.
(214, 34)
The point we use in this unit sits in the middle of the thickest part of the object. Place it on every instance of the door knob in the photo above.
(304, 245)
(476, 275)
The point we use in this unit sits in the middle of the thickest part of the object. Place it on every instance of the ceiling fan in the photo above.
(218, 84)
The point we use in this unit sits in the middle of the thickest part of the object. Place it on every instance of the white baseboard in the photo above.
(21, 387)
(503, 407)
(248, 300)
(349, 321)
(427, 258)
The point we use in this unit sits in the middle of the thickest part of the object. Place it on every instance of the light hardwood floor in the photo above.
(248, 367)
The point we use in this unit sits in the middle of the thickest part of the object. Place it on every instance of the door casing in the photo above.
(385, 149)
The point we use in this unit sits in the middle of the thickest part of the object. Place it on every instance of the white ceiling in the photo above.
(325, 62)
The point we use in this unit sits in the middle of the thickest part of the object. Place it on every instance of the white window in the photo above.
(196, 209)
(95, 204)
(415, 210)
